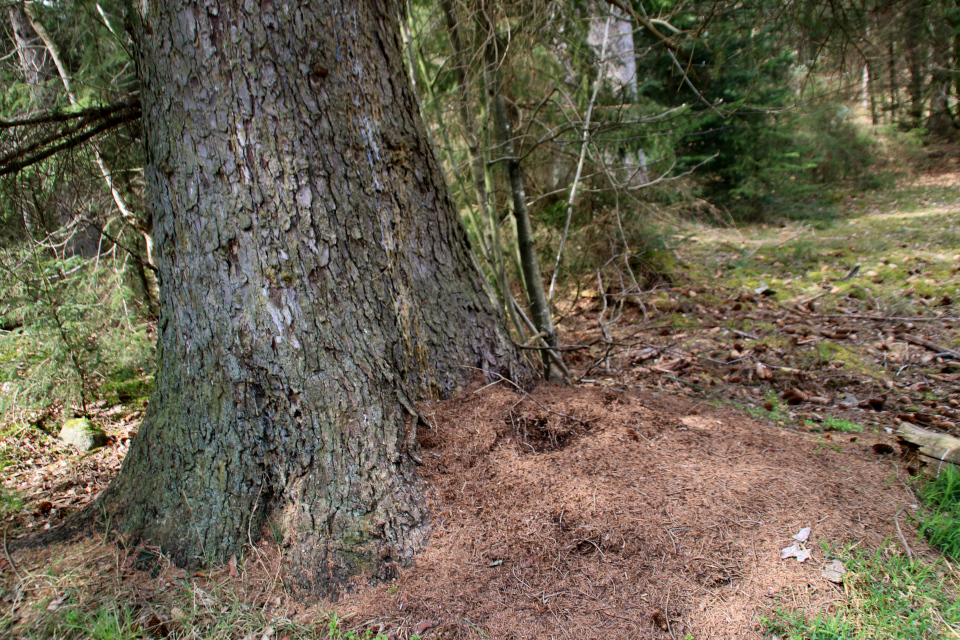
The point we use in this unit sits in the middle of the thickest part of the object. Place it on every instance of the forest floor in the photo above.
(717, 419)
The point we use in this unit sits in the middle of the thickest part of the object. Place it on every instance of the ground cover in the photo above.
(751, 395)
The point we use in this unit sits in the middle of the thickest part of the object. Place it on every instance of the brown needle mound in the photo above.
(604, 513)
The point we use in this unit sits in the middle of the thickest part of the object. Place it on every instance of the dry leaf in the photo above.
(763, 372)
(794, 551)
(55, 604)
(834, 571)
(423, 626)
(233, 566)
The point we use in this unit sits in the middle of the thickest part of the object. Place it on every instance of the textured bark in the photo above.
(315, 283)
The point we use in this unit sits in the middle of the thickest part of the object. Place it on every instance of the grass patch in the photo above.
(105, 623)
(772, 409)
(10, 502)
(940, 521)
(889, 597)
(64, 603)
(838, 424)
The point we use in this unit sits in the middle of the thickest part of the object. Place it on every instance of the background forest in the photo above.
(602, 124)
(701, 198)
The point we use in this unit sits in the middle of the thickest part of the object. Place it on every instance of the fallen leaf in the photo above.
(849, 401)
(803, 535)
(55, 604)
(763, 372)
(423, 626)
(794, 551)
(834, 571)
(794, 396)
(233, 566)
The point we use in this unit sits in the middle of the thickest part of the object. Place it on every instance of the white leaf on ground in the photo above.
(803, 535)
(834, 571)
(795, 551)
(849, 400)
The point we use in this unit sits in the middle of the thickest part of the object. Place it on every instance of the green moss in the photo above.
(829, 351)
(837, 424)
(127, 386)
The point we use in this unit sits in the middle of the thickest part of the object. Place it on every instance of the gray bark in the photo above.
(315, 284)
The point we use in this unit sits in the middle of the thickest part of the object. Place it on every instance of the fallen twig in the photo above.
(6, 552)
(896, 521)
(940, 350)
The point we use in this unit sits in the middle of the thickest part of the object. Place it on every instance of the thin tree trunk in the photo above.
(31, 52)
(490, 246)
(955, 62)
(913, 43)
(894, 89)
(477, 165)
(583, 155)
(536, 296)
(872, 79)
(122, 206)
(316, 283)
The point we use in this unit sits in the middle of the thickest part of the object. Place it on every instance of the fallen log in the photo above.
(934, 450)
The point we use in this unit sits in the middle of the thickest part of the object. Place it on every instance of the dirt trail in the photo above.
(656, 518)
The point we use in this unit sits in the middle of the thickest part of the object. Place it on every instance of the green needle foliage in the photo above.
(70, 330)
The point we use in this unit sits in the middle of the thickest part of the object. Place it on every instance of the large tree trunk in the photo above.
(315, 284)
